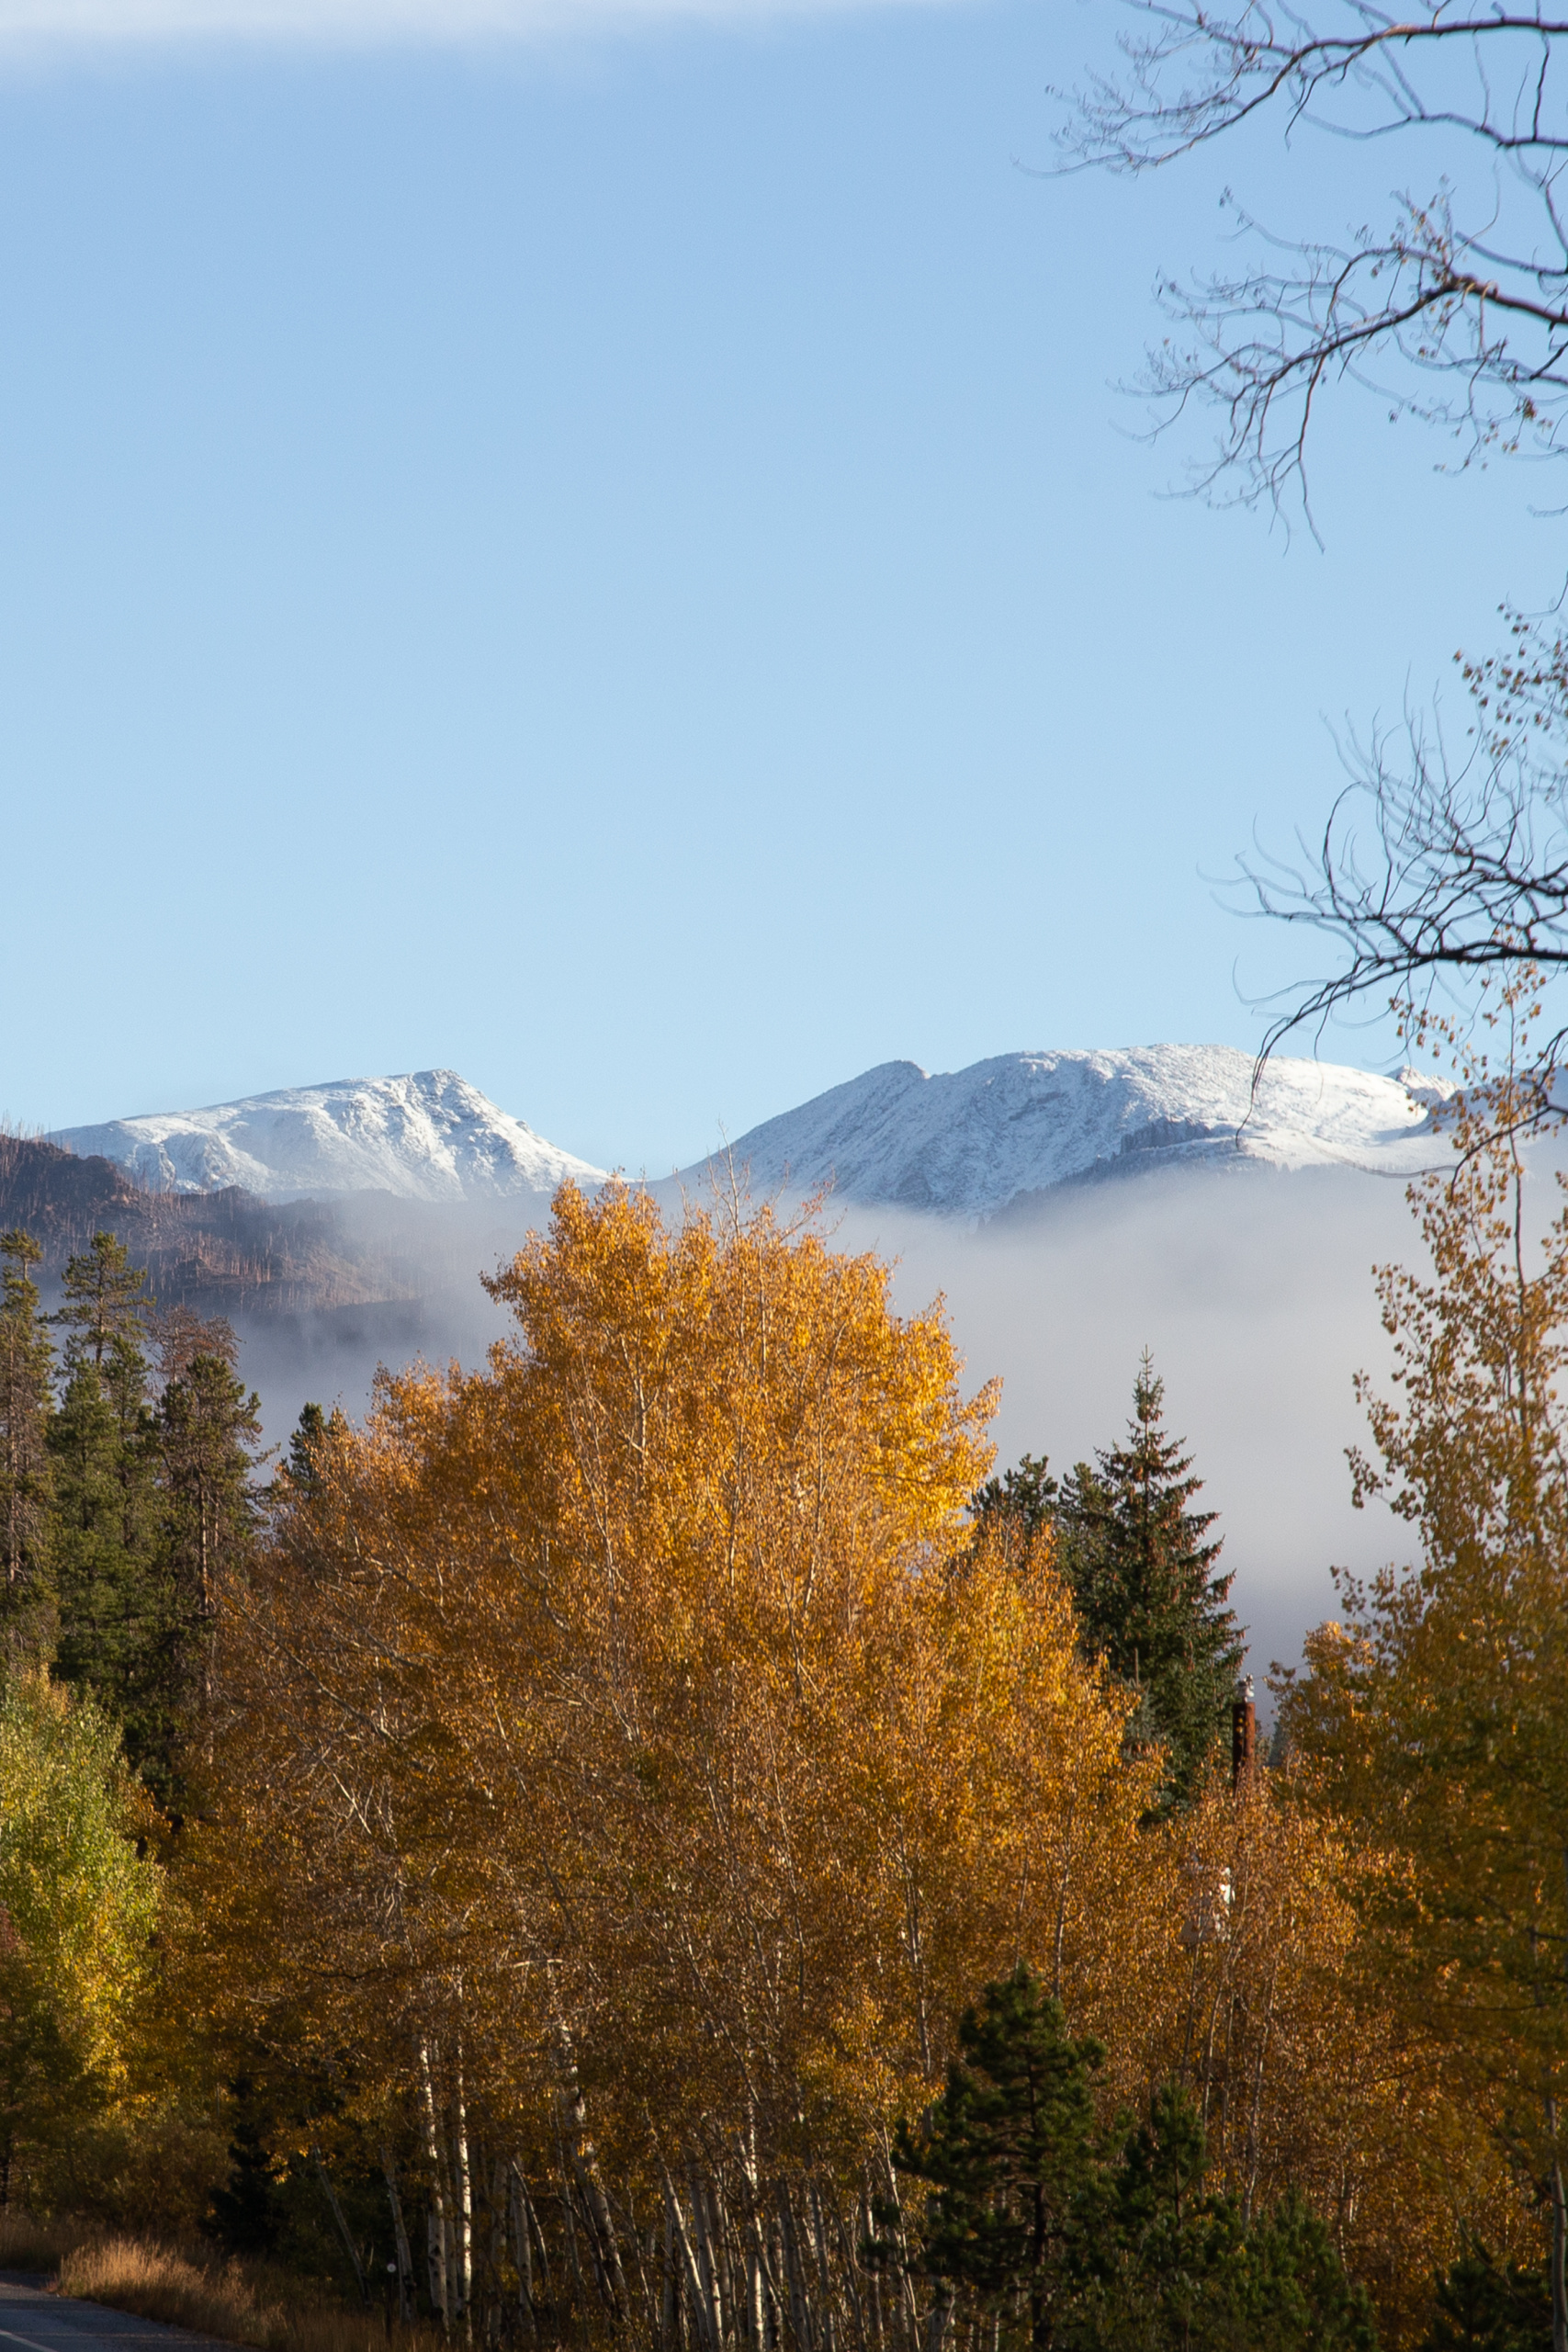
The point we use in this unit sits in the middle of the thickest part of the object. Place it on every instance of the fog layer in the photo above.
(1253, 1289)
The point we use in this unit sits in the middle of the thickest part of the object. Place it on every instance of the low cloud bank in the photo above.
(1253, 1289)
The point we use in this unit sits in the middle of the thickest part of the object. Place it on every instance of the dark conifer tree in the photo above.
(1487, 2306)
(107, 1554)
(200, 1440)
(1024, 1497)
(103, 1539)
(1057, 2240)
(1010, 2154)
(1172, 2266)
(1141, 1562)
(105, 1315)
(27, 1363)
(207, 1432)
(310, 1435)
(106, 1305)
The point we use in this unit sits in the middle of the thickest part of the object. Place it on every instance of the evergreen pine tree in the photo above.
(1160, 2270)
(1487, 2306)
(1141, 1567)
(109, 1573)
(1010, 2154)
(206, 1433)
(1058, 2245)
(27, 1362)
(104, 1308)
(1295, 2296)
(1172, 2266)
(1024, 1497)
(104, 1549)
(305, 1450)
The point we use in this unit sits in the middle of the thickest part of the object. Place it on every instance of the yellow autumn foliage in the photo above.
(1431, 1726)
(632, 1766)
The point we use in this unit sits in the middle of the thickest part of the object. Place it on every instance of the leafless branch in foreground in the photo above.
(1454, 311)
(1435, 872)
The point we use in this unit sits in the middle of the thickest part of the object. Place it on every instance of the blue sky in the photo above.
(610, 558)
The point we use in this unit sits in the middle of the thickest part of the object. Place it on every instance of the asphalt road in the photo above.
(34, 2320)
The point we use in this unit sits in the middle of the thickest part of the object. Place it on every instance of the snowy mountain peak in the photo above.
(967, 1143)
(1426, 1086)
(427, 1136)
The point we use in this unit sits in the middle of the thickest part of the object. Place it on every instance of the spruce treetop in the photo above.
(106, 1306)
(1151, 1599)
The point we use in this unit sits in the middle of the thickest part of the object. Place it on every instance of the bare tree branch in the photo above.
(1457, 313)
(1435, 870)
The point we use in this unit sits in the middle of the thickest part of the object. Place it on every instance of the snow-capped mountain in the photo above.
(969, 1142)
(962, 1144)
(430, 1135)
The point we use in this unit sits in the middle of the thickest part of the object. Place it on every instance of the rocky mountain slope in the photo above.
(974, 1142)
(427, 1136)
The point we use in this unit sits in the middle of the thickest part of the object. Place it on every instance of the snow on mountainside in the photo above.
(969, 1142)
(429, 1137)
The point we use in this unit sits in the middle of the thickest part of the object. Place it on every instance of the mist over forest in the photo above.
(1252, 1288)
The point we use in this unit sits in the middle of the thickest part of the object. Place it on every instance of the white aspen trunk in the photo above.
(568, 2213)
(436, 2255)
(907, 2307)
(702, 2311)
(756, 2294)
(707, 2270)
(756, 2304)
(1255, 2119)
(572, 2126)
(436, 2224)
(827, 2333)
(643, 2251)
(852, 2297)
(916, 1957)
(401, 2240)
(1559, 2238)
(1061, 1934)
(769, 2302)
(498, 2239)
(609, 2270)
(874, 2285)
(465, 2214)
(778, 2275)
(728, 2263)
(794, 2283)
(518, 2204)
(669, 2303)
(349, 2247)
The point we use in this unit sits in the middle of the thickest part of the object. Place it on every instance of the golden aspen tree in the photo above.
(1433, 1724)
(78, 1908)
(632, 1760)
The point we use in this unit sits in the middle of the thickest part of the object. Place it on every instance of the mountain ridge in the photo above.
(969, 1143)
(423, 1134)
(966, 1144)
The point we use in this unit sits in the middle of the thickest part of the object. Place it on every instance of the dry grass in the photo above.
(236, 2301)
(134, 2276)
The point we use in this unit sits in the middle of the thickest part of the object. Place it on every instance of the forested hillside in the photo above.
(661, 1841)
(225, 1252)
